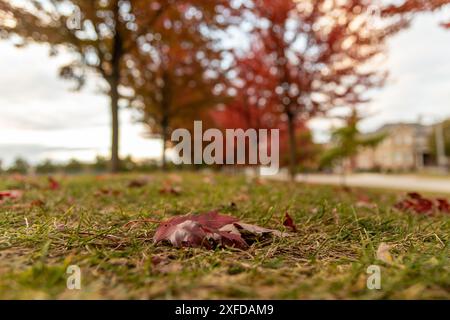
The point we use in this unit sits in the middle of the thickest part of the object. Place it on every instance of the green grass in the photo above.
(327, 258)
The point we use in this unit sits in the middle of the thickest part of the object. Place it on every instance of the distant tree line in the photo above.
(74, 166)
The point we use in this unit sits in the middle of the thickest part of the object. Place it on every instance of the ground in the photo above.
(82, 223)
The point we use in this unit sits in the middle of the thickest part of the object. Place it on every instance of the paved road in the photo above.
(398, 182)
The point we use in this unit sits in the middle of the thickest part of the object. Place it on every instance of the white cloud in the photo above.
(40, 117)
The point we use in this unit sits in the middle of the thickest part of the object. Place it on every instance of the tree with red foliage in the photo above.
(175, 69)
(319, 51)
(254, 106)
(415, 6)
(250, 105)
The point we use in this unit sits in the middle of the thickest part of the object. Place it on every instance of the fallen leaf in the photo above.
(363, 198)
(37, 203)
(443, 205)
(108, 192)
(208, 230)
(10, 194)
(364, 201)
(59, 226)
(157, 259)
(259, 230)
(53, 184)
(175, 178)
(137, 183)
(383, 253)
(289, 222)
(209, 180)
(242, 197)
(260, 182)
(416, 203)
(169, 189)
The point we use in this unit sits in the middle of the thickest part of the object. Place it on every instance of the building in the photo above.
(405, 148)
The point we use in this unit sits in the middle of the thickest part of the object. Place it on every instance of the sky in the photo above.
(41, 118)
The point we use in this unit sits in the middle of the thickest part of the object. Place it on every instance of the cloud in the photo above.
(32, 97)
(419, 84)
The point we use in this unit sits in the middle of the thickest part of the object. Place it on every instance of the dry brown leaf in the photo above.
(384, 255)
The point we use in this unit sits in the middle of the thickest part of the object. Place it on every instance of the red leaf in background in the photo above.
(364, 201)
(53, 184)
(289, 222)
(108, 192)
(415, 195)
(170, 189)
(137, 183)
(443, 205)
(10, 194)
(421, 205)
(363, 198)
(37, 203)
(207, 230)
(404, 205)
(424, 206)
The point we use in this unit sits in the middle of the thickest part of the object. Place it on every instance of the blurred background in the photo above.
(97, 85)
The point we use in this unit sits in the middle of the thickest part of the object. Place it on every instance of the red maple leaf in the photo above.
(207, 230)
(53, 184)
(10, 194)
(443, 205)
(289, 222)
(416, 203)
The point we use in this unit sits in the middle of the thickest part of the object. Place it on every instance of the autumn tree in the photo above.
(407, 7)
(175, 70)
(254, 106)
(97, 32)
(319, 51)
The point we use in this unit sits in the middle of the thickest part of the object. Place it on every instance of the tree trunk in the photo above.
(343, 175)
(114, 93)
(292, 146)
(164, 136)
(165, 104)
(115, 161)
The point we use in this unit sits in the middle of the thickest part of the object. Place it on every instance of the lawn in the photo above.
(339, 232)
